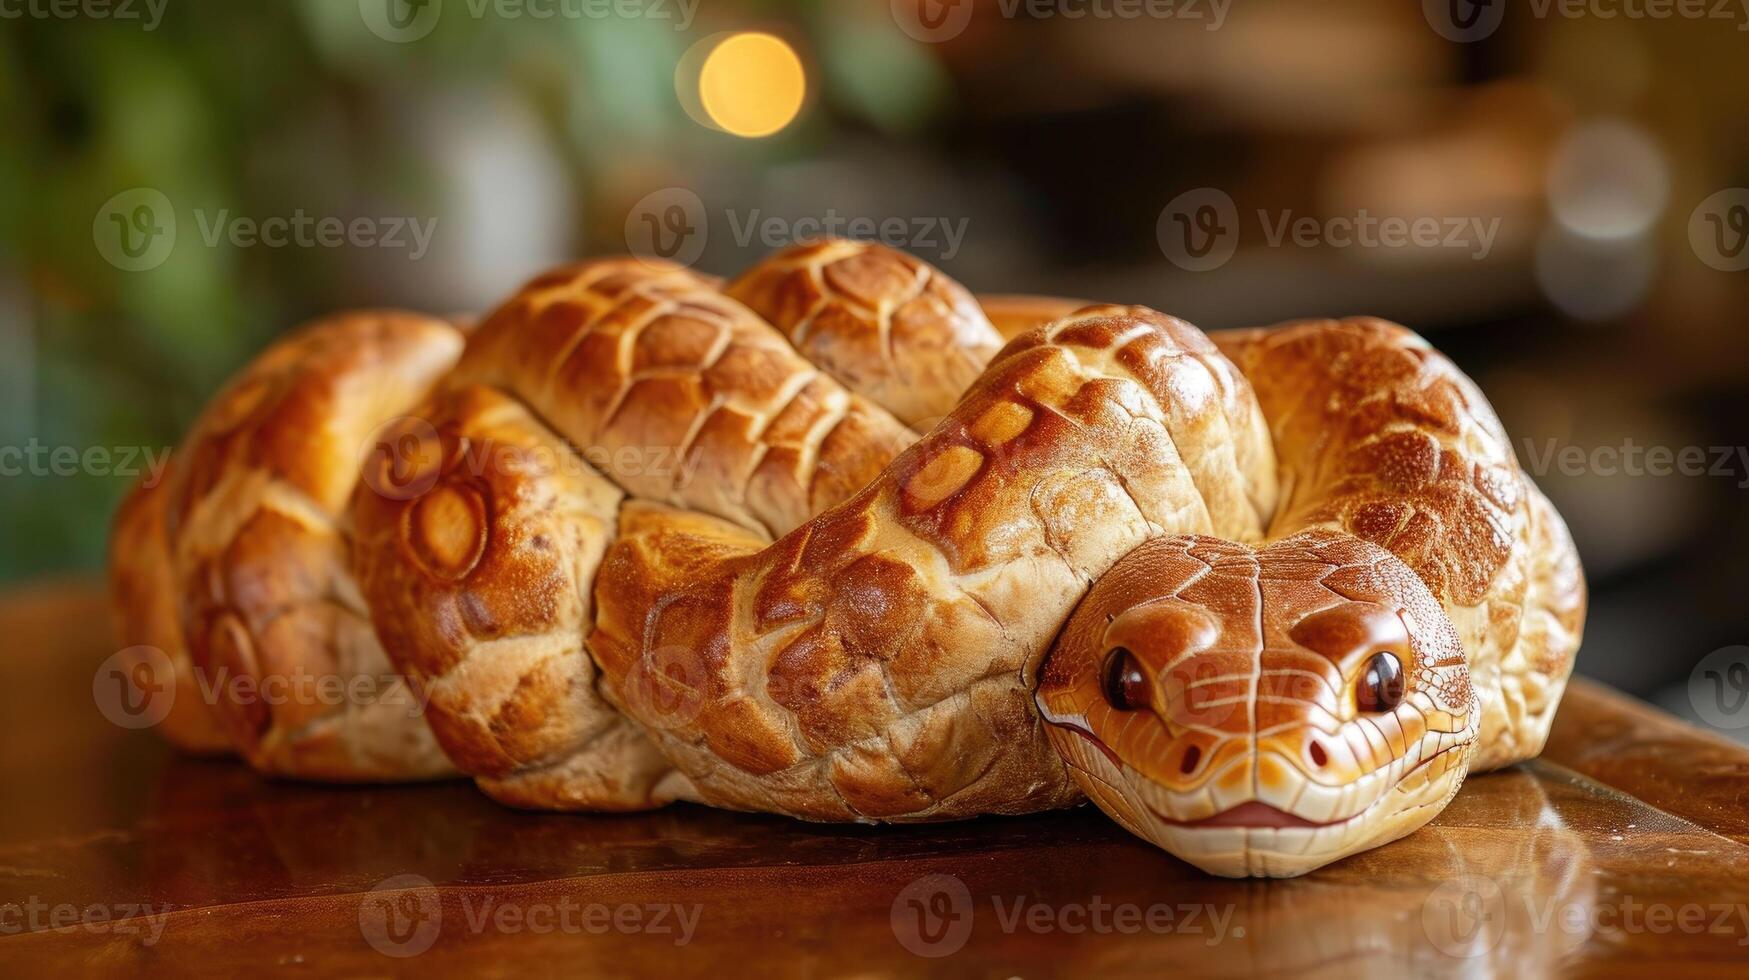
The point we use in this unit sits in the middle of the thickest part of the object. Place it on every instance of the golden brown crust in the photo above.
(1533, 672)
(568, 547)
(1414, 612)
(886, 325)
(877, 662)
(681, 395)
(627, 377)
(477, 575)
(1393, 444)
(1390, 442)
(1013, 314)
(259, 551)
(143, 597)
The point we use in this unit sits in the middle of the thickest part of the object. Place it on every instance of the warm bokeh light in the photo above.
(1608, 180)
(752, 85)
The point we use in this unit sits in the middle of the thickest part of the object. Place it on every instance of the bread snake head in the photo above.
(1262, 711)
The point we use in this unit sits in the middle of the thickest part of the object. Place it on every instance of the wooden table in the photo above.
(1624, 851)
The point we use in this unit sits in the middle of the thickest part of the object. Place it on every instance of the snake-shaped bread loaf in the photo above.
(816, 542)
(232, 571)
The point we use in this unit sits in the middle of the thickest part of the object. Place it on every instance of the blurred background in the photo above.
(1555, 195)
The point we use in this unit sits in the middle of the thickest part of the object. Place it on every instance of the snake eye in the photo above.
(1125, 683)
(1381, 686)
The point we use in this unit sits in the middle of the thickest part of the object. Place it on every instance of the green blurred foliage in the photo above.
(262, 107)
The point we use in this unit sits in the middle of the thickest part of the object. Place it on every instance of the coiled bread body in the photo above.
(236, 568)
(1389, 442)
(800, 542)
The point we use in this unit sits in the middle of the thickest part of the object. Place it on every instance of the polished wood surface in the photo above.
(1625, 851)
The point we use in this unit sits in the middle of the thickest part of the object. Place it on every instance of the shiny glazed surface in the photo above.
(1549, 868)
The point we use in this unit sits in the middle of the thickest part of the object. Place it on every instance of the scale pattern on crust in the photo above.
(1251, 646)
(259, 549)
(877, 663)
(609, 380)
(680, 394)
(930, 339)
(1393, 444)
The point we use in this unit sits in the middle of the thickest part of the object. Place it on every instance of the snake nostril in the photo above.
(1192, 756)
(1320, 758)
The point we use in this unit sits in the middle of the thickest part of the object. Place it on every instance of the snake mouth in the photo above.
(1250, 814)
(1258, 815)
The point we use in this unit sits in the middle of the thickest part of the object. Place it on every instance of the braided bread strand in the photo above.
(635, 379)
(879, 661)
(237, 566)
(1394, 445)
(807, 543)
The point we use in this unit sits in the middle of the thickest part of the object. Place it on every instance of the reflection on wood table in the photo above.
(1624, 850)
